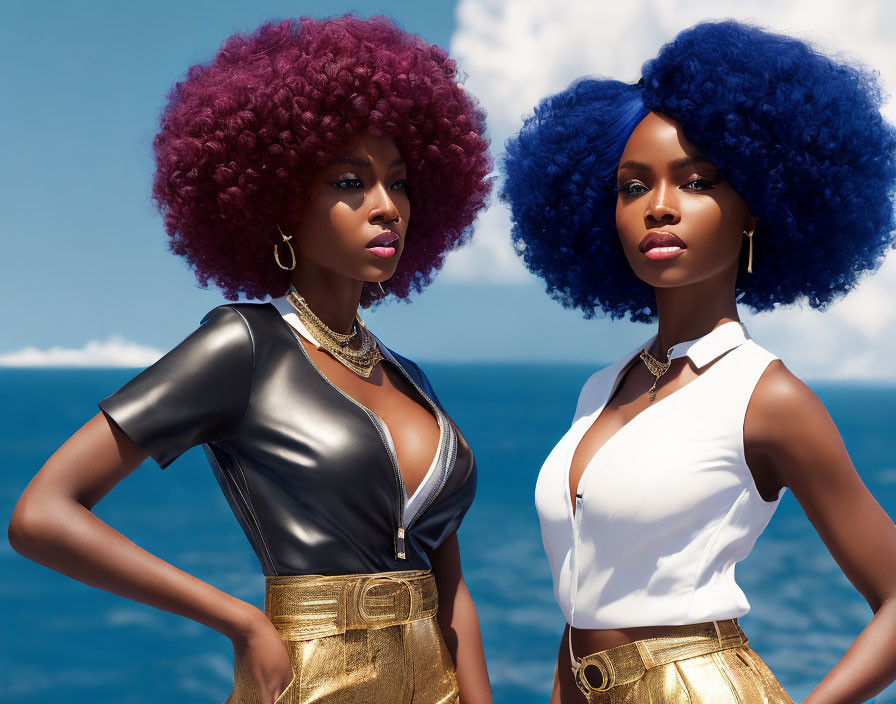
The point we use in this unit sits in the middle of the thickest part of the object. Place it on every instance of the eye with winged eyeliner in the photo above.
(347, 182)
(632, 188)
(350, 181)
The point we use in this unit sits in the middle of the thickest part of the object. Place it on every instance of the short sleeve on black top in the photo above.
(197, 393)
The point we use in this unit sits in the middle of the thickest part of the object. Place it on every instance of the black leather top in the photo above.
(304, 467)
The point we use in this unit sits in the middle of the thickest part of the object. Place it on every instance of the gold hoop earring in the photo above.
(382, 290)
(750, 253)
(291, 252)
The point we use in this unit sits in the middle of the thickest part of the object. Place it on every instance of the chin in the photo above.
(382, 274)
(670, 278)
(681, 276)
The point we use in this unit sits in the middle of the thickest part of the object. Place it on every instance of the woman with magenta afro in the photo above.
(744, 166)
(326, 165)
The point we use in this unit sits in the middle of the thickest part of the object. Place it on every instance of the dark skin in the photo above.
(355, 200)
(351, 201)
(790, 440)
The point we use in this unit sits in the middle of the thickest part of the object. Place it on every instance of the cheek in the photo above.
(717, 222)
(314, 219)
(343, 221)
(629, 224)
(333, 222)
(706, 218)
(327, 231)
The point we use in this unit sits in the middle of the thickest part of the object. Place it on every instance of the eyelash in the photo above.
(357, 183)
(626, 188)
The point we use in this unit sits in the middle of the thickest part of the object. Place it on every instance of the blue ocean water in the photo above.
(66, 642)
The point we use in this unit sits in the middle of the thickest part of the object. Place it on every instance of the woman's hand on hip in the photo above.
(262, 666)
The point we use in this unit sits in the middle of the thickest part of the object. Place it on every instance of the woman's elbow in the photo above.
(20, 530)
(29, 524)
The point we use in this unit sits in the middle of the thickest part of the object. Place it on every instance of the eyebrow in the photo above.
(355, 161)
(675, 165)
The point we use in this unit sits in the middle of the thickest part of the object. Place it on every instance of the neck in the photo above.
(333, 298)
(688, 312)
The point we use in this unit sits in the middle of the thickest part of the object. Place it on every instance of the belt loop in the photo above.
(644, 652)
(399, 597)
(718, 633)
(346, 617)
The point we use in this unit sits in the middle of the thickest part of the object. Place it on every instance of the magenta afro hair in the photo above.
(241, 137)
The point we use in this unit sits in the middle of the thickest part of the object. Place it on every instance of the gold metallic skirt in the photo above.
(704, 663)
(357, 638)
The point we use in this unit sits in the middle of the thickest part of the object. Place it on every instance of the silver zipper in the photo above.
(446, 432)
(446, 472)
(577, 521)
(377, 422)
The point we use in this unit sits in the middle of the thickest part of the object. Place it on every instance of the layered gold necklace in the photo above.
(360, 360)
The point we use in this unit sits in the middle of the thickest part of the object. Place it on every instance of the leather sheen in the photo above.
(304, 469)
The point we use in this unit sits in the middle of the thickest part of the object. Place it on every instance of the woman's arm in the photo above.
(789, 434)
(52, 524)
(562, 659)
(555, 689)
(460, 624)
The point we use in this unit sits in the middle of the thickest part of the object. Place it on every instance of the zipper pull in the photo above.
(401, 544)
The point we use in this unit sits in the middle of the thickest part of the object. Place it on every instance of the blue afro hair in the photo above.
(797, 134)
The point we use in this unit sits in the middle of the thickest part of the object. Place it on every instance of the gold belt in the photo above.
(627, 663)
(313, 606)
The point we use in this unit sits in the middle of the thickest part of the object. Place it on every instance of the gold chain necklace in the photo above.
(361, 360)
(657, 368)
(310, 320)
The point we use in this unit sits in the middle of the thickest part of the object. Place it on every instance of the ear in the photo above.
(750, 222)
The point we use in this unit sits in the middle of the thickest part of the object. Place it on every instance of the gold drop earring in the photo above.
(291, 252)
(750, 254)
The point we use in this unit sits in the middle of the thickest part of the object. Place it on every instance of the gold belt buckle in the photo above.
(603, 666)
(370, 584)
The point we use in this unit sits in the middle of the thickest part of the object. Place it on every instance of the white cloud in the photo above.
(515, 53)
(852, 339)
(491, 258)
(115, 351)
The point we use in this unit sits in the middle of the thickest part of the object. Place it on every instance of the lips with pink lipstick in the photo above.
(384, 244)
(661, 244)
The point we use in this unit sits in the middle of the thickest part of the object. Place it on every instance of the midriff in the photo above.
(586, 641)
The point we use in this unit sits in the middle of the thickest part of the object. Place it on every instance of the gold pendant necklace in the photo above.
(657, 368)
(361, 360)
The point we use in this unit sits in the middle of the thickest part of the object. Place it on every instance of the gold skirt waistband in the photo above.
(313, 606)
(356, 638)
(702, 663)
(601, 671)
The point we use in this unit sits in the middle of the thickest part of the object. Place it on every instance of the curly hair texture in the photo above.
(241, 137)
(797, 134)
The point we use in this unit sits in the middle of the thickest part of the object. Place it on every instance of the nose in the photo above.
(382, 207)
(662, 206)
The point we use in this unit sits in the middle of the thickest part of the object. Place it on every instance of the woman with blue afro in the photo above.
(744, 166)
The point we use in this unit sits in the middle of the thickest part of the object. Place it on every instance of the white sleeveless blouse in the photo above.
(667, 506)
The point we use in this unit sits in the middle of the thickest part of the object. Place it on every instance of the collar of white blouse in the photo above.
(709, 347)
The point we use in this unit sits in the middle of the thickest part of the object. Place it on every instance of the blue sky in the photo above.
(84, 252)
